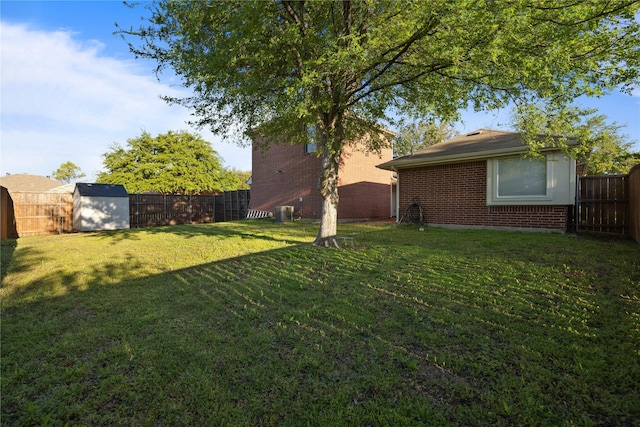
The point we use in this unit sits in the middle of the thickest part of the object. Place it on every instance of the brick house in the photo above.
(482, 180)
(288, 175)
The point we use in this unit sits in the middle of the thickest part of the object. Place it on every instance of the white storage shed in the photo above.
(99, 207)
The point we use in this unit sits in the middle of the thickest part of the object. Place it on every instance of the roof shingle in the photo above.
(26, 182)
(482, 143)
(101, 190)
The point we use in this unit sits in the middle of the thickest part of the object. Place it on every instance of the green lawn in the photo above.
(246, 324)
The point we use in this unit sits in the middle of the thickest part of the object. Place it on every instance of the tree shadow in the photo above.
(289, 335)
(7, 248)
(241, 228)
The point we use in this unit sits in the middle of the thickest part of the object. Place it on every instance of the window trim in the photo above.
(311, 147)
(493, 197)
(500, 183)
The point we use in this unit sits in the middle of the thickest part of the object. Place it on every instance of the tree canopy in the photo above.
(417, 135)
(345, 66)
(602, 146)
(175, 162)
(241, 179)
(67, 172)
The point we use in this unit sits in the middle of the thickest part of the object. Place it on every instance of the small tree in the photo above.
(168, 163)
(417, 135)
(602, 147)
(67, 172)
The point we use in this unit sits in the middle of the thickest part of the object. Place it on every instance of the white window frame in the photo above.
(493, 194)
(312, 145)
(525, 174)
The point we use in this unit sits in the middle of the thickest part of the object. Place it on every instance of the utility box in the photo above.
(284, 213)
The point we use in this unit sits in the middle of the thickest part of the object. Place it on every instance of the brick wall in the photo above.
(283, 174)
(455, 194)
(364, 190)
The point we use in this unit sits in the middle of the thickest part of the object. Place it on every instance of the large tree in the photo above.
(602, 146)
(279, 66)
(175, 162)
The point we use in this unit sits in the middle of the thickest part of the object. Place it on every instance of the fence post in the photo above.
(59, 213)
(634, 203)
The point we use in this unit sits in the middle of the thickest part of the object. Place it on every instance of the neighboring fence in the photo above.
(152, 210)
(38, 214)
(7, 216)
(634, 203)
(35, 214)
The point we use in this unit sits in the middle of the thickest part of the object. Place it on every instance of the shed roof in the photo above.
(26, 182)
(479, 144)
(101, 190)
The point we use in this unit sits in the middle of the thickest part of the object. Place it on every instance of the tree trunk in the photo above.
(328, 186)
(329, 192)
(328, 225)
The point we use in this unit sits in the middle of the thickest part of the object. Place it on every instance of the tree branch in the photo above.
(602, 13)
(404, 48)
(297, 18)
(398, 82)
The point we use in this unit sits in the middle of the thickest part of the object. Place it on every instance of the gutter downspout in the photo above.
(397, 194)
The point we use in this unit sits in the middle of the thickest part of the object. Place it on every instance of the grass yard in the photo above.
(246, 324)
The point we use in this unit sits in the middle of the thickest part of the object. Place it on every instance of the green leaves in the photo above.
(168, 163)
(250, 62)
(417, 135)
(602, 147)
(66, 172)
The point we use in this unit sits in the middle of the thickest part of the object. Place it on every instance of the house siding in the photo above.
(282, 174)
(455, 194)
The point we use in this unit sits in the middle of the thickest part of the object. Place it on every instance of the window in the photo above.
(517, 181)
(518, 177)
(312, 145)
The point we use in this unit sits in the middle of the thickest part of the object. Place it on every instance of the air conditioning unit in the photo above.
(284, 213)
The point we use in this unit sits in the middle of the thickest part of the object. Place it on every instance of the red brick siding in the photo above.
(283, 174)
(455, 194)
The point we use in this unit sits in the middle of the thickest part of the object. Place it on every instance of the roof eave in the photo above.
(456, 158)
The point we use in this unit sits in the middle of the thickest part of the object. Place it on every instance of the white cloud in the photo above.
(61, 100)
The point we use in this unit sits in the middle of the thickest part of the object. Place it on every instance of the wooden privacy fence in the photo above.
(609, 204)
(603, 204)
(152, 210)
(27, 213)
(634, 203)
(35, 214)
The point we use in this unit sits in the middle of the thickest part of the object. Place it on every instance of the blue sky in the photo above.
(70, 88)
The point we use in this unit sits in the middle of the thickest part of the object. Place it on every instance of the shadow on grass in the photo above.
(7, 248)
(243, 229)
(381, 335)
